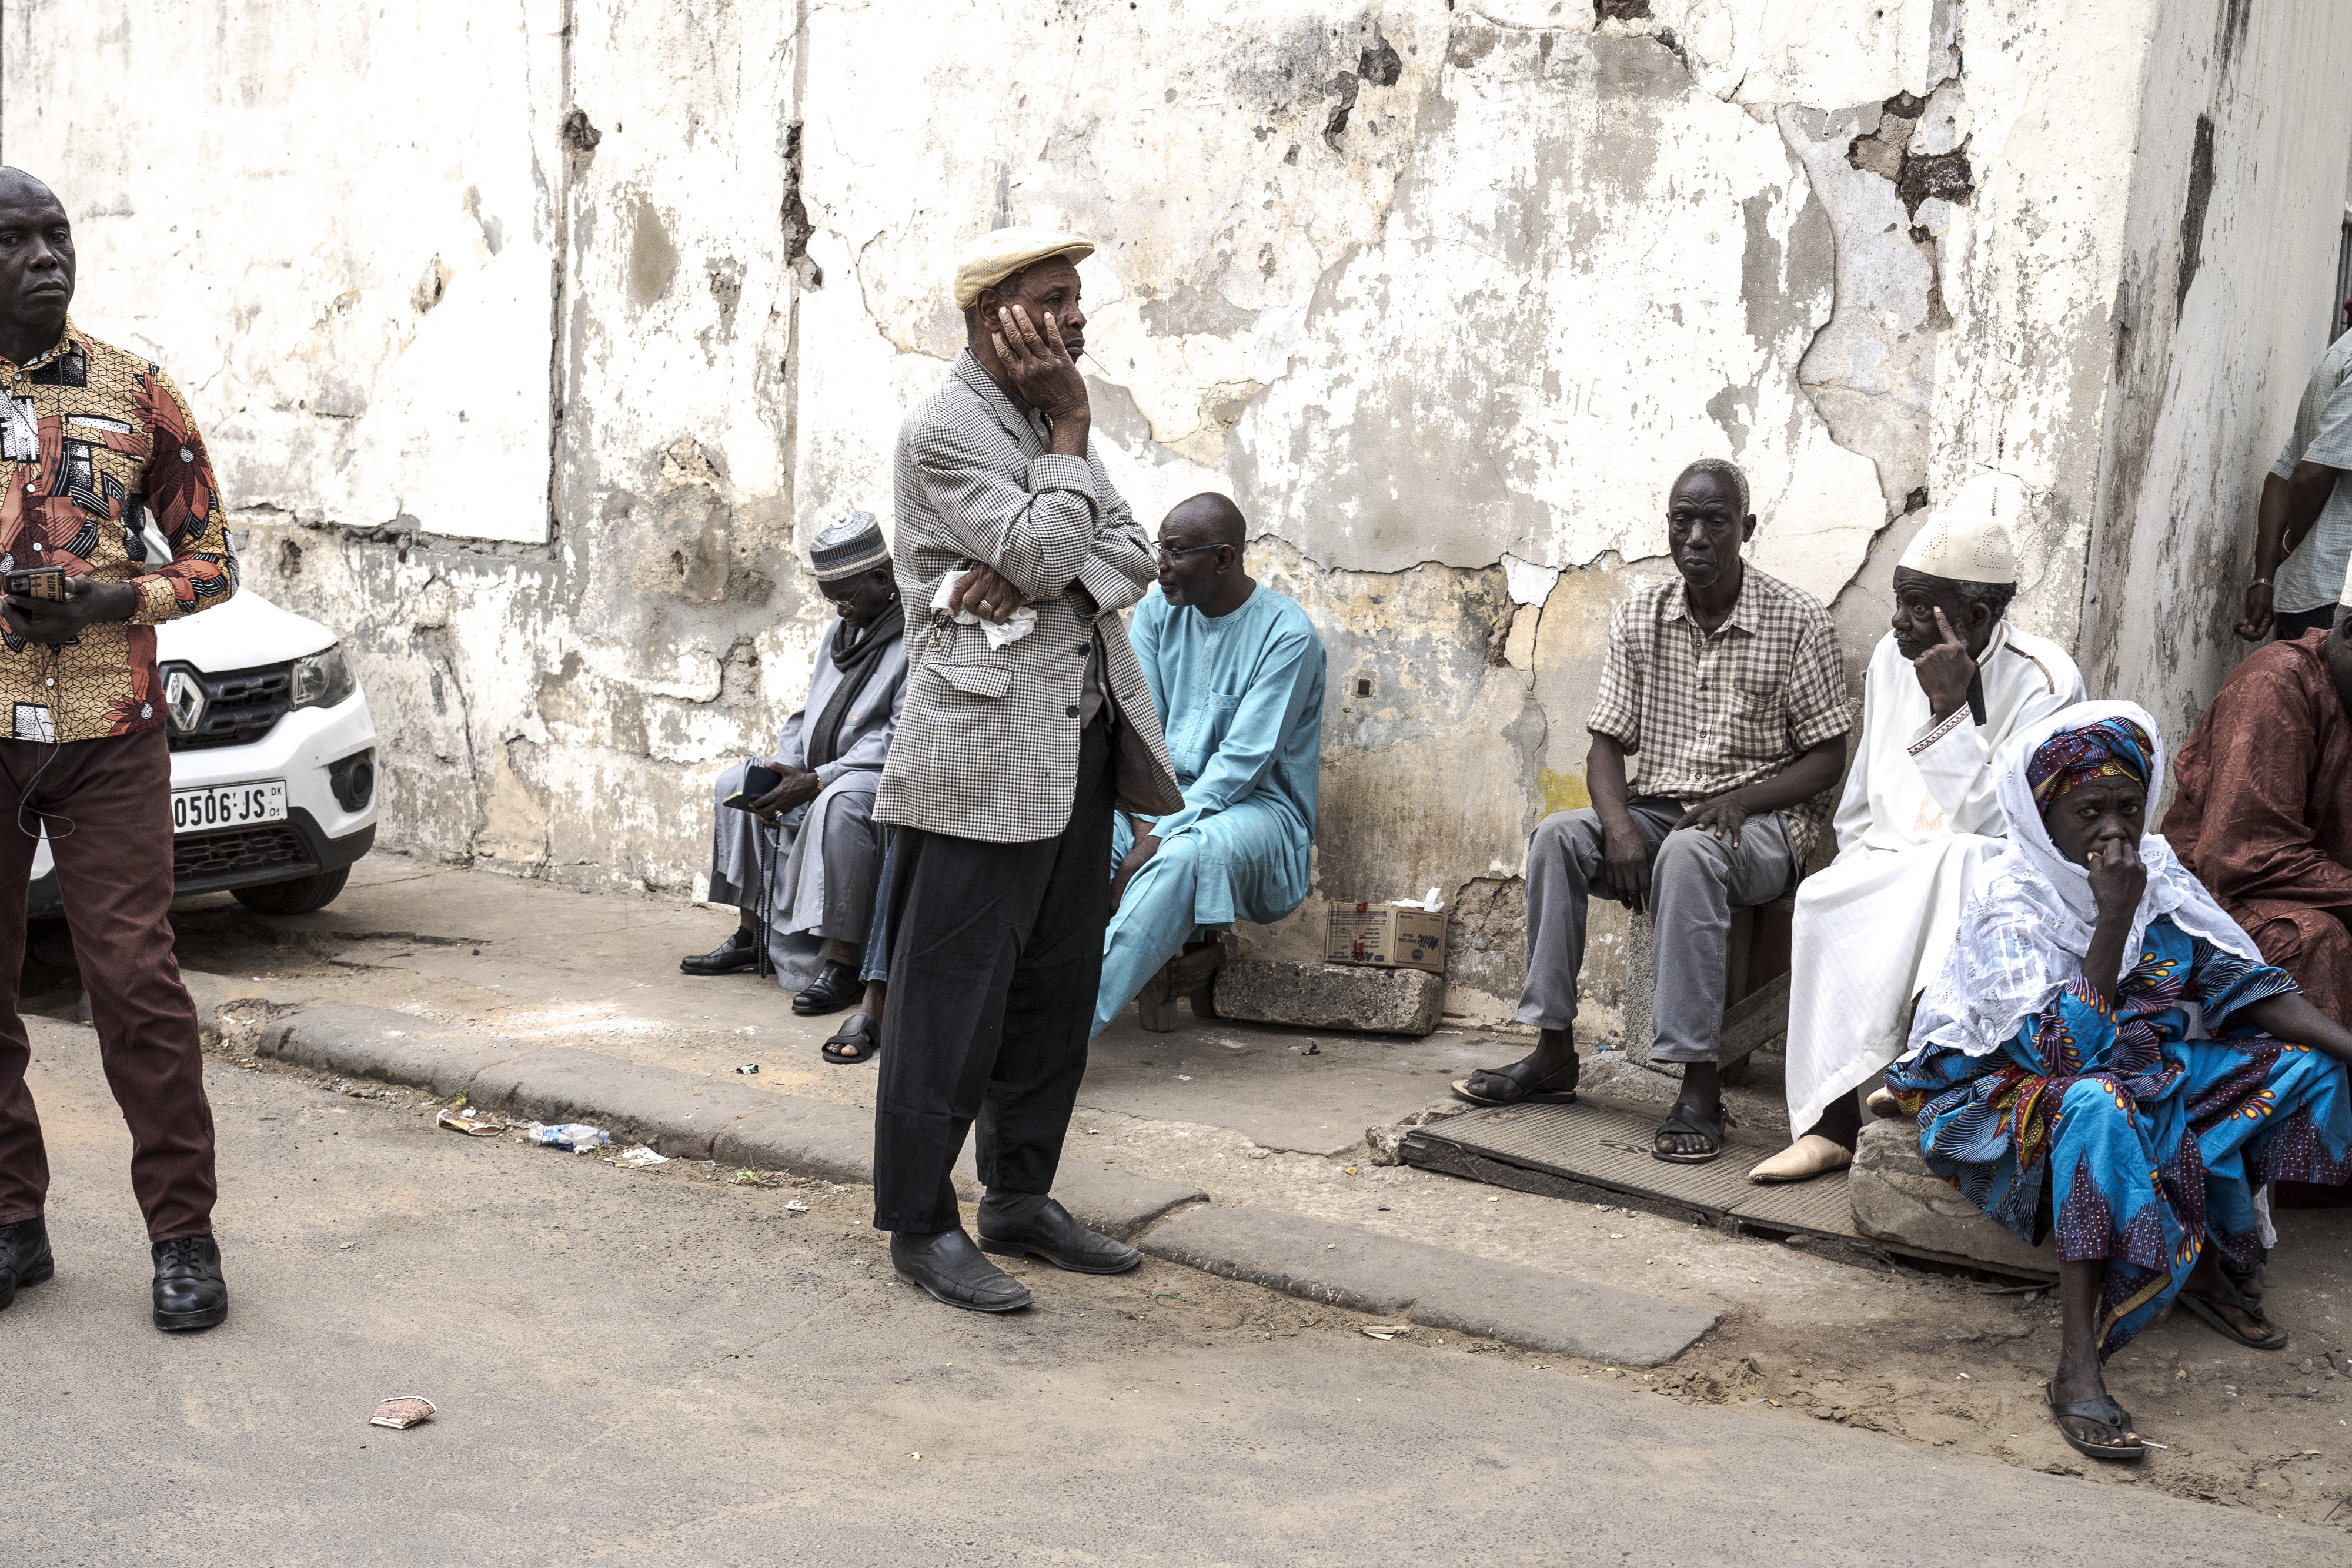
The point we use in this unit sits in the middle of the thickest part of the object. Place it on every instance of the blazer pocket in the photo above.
(990, 680)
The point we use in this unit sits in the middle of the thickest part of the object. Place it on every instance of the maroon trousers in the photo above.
(108, 808)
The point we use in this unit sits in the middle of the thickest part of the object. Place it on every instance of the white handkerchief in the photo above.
(1018, 626)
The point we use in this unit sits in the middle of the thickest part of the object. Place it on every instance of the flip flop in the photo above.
(1525, 1088)
(2100, 1412)
(2203, 1302)
(1685, 1120)
(860, 1038)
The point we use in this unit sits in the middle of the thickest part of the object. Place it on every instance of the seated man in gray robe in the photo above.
(815, 833)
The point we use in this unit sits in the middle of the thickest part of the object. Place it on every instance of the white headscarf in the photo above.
(2024, 934)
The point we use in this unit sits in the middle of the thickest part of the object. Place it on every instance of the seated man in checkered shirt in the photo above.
(1727, 685)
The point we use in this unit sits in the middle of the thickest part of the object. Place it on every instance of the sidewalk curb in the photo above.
(1355, 1268)
(689, 1116)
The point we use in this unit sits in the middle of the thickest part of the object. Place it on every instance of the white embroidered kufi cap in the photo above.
(999, 253)
(1968, 538)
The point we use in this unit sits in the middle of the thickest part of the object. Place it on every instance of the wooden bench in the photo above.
(1755, 987)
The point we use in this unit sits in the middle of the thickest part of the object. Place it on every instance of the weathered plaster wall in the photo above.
(534, 342)
(2224, 306)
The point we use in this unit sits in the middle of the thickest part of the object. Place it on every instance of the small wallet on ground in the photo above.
(759, 783)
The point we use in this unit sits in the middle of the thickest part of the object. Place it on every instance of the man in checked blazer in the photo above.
(1003, 777)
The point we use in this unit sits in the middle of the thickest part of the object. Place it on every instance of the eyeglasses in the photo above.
(1164, 553)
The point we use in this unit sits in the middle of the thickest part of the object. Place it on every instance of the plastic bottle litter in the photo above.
(749, 1067)
(577, 1136)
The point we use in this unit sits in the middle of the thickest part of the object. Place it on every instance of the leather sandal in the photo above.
(2204, 1302)
(1808, 1156)
(854, 1042)
(1686, 1120)
(1518, 1086)
(2100, 1412)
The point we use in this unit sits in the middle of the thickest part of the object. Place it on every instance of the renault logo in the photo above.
(185, 695)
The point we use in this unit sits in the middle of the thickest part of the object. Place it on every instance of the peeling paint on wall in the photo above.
(531, 344)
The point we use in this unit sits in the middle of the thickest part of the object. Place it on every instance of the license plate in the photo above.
(230, 806)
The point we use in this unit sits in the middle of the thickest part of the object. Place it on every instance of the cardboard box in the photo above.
(1387, 936)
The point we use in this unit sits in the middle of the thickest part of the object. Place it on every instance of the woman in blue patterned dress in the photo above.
(2132, 1108)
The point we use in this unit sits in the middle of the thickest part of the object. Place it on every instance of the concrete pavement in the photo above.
(654, 1368)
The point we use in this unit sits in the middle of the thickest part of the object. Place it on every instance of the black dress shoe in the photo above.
(24, 1257)
(1015, 1224)
(730, 956)
(951, 1268)
(836, 988)
(189, 1291)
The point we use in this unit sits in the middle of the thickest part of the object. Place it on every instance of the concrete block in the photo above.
(1898, 1198)
(1332, 996)
(1355, 1269)
(679, 1113)
(375, 1042)
(801, 1137)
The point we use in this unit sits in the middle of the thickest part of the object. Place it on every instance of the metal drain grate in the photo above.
(1608, 1146)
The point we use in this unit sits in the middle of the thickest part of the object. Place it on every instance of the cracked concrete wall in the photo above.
(2225, 303)
(534, 343)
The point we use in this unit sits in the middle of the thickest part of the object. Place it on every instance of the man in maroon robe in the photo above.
(2264, 811)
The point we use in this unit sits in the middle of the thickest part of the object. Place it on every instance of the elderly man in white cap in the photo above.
(1946, 686)
(810, 842)
(1027, 723)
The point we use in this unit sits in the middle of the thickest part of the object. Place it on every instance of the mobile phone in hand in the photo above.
(759, 783)
(41, 582)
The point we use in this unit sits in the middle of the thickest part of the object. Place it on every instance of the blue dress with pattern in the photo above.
(2130, 1141)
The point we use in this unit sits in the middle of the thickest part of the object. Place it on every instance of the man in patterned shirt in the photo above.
(107, 480)
(1727, 683)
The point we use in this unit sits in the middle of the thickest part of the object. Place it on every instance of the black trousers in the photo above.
(996, 955)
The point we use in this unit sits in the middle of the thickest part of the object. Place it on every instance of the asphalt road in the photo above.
(657, 1369)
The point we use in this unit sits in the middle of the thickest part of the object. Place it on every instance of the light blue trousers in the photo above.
(1152, 924)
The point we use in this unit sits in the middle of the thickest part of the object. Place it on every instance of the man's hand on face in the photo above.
(1040, 369)
(797, 789)
(1945, 671)
(55, 621)
(987, 593)
(1724, 816)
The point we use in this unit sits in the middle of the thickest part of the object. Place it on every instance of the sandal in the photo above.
(2100, 1412)
(2203, 1302)
(854, 1042)
(1685, 1120)
(1517, 1085)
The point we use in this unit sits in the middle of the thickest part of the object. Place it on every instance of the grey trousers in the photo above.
(1697, 880)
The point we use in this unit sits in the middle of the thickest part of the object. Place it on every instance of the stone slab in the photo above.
(1896, 1199)
(678, 1113)
(358, 1042)
(1359, 997)
(1351, 1267)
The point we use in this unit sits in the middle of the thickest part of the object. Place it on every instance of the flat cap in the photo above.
(1968, 538)
(999, 253)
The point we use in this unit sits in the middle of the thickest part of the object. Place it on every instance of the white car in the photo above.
(273, 759)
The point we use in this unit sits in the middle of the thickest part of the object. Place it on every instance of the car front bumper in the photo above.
(319, 833)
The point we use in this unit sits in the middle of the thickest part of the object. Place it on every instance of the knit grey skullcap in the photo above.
(847, 547)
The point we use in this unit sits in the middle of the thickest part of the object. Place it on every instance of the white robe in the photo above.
(1916, 821)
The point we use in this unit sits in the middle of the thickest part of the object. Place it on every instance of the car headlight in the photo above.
(322, 680)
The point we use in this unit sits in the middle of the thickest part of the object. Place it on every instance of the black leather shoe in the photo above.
(1017, 1224)
(951, 1268)
(836, 988)
(24, 1257)
(189, 1291)
(730, 956)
